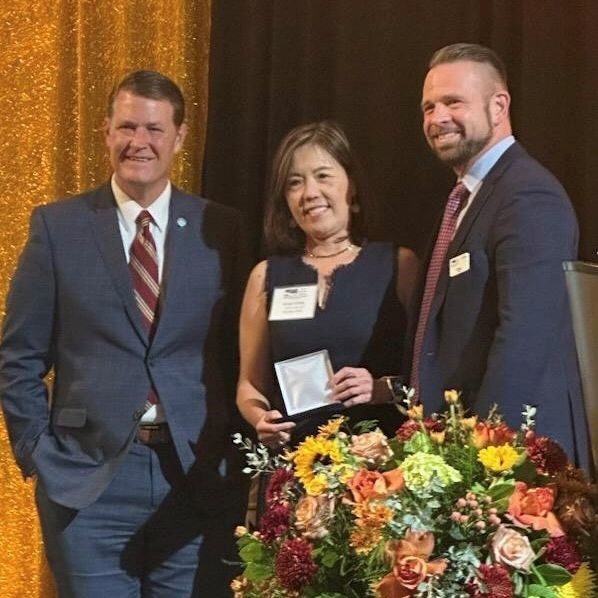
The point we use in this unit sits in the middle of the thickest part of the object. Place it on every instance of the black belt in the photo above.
(153, 434)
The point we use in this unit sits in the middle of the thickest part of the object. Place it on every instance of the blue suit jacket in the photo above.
(501, 332)
(71, 308)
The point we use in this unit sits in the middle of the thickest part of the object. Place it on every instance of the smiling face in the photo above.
(142, 141)
(318, 194)
(465, 112)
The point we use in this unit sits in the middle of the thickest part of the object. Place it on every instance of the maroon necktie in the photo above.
(455, 202)
(143, 265)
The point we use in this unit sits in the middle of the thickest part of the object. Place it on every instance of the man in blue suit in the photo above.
(138, 484)
(495, 322)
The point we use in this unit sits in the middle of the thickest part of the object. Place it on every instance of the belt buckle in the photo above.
(153, 434)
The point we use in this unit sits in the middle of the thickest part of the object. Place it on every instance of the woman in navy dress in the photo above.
(315, 227)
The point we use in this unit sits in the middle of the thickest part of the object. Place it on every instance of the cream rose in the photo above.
(371, 446)
(512, 549)
(313, 514)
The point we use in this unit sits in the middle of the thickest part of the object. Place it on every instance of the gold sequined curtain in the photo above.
(58, 61)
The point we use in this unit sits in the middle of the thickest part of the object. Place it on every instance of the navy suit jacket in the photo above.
(71, 308)
(501, 331)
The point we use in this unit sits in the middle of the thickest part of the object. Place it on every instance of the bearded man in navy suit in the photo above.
(138, 484)
(499, 327)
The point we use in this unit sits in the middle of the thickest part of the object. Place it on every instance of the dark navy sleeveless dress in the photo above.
(361, 325)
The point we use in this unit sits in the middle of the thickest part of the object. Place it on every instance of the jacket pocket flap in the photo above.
(70, 417)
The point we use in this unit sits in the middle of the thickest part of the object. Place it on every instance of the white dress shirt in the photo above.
(127, 212)
(474, 177)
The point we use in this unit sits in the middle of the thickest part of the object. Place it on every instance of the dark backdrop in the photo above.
(279, 63)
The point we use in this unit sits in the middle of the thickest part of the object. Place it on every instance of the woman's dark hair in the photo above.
(280, 235)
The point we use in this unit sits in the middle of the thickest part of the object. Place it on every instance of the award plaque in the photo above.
(305, 385)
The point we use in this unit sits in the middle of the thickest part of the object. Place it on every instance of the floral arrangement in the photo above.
(453, 506)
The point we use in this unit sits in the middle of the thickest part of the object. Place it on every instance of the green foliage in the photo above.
(551, 575)
(540, 591)
(525, 472)
(465, 459)
(419, 443)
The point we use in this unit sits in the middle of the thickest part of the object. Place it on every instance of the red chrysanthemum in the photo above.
(562, 551)
(410, 427)
(275, 522)
(545, 454)
(492, 580)
(280, 482)
(294, 564)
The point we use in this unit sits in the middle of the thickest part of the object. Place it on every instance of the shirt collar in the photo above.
(129, 209)
(475, 175)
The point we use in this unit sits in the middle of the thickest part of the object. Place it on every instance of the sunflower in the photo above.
(312, 458)
(581, 585)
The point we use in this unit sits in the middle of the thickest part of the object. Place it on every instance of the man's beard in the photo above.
(465, 149)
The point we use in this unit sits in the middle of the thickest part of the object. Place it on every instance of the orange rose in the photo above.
(373, 484)
(410, 565)
(533, 508)
(372, 447)
(389, 587)
(410, 571)
(312, 515)
(395, 482)
(366, 484)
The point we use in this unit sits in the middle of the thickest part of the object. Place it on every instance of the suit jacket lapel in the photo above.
(483, 196)
(478, 203)
(104, 224)
(179, 232)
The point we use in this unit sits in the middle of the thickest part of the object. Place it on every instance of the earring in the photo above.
(355, 208)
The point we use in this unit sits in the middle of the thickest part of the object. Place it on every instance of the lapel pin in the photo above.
(181, 222)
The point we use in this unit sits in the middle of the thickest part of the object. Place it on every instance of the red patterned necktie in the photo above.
(143, 265)
(455, 202)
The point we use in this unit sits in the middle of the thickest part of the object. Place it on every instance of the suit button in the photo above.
(430, 354)
(137, 415)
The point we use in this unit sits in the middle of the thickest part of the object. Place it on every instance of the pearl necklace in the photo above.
(350, 246)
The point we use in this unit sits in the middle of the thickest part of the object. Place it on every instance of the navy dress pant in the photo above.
(143, 537)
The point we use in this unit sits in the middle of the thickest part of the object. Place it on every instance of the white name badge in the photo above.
(459, 264)
(296, 302)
